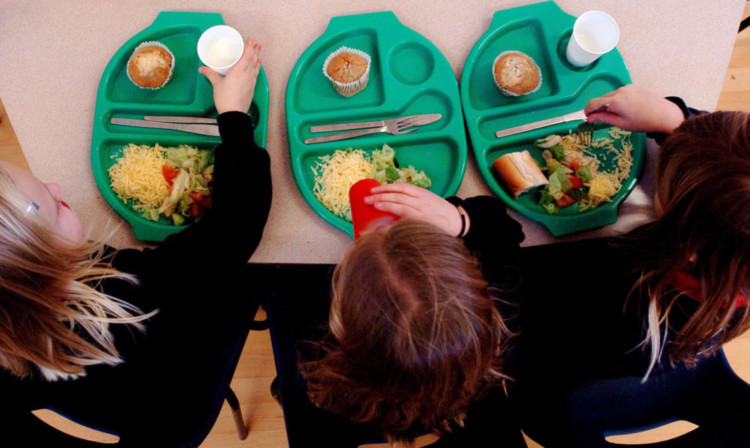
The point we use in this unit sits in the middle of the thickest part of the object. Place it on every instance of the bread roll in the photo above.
(520, 172)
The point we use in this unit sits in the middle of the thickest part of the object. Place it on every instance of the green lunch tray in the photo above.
(542, 32)
(187, 93)
(408, 76)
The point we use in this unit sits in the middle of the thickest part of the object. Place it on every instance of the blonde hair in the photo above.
(52, 316)
(417, 335)
(703, 186)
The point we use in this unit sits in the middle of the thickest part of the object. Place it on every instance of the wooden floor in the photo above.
(256, 367)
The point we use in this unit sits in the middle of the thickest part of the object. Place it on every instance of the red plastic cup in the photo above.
(365, 217)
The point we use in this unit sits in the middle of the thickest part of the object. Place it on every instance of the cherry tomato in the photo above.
(169, 173)
(575, 181)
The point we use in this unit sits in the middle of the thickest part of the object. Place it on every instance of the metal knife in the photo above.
(371, 124)
(417, 120)
(575, 116)
(175, 119)
(202, 129)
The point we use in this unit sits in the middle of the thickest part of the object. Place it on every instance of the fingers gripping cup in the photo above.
(365, 217)
(594, 34)
(220, 47)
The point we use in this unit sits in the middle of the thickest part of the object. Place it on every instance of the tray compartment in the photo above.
(315, 93)
(526, 36)
(411, 63)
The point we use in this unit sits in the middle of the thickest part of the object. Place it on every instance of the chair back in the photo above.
(709, 395)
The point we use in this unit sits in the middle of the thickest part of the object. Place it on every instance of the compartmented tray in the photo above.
(187, 93)
(542, 32)
(408, 76)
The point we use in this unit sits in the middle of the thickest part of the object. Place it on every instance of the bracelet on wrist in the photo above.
(462, 213)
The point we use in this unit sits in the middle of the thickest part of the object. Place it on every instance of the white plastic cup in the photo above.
(220, 47)
(594, 34)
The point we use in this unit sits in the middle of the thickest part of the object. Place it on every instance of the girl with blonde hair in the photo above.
(131, 341)
(55, 320)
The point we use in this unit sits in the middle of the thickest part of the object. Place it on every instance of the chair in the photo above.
(168, 394)
(572, 325)
(297, 309)
(710, 395)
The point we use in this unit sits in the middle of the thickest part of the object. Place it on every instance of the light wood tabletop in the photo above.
(50, 88)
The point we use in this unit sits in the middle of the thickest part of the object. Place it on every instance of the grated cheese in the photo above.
(601, 189)
(334, 176)
(138, 175)
(603, 185)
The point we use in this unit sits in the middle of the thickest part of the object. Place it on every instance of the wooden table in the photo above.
(53, 58)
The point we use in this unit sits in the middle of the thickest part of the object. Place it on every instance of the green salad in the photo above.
(188, 171)
(336, 173)
(386, 171)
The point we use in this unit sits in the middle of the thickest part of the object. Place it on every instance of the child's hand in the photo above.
(234, 92)
(409, 201)
(636, 109)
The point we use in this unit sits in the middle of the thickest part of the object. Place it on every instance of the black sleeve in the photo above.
(688, 112)
(495, 239)
(231, 230)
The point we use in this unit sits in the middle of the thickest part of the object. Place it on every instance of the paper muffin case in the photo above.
(508, 92)
(152, 43)
(348, 89)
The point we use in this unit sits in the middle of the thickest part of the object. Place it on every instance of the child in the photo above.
(114, 324)
(418, 331)
(698, 249)
(598, 315)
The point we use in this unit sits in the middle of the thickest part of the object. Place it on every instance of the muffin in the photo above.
(516, 74)
(348, 70)
(151, 65)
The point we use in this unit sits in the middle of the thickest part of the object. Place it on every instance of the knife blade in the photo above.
(202, 129)
(427, 118)
(418, 120)
(574, 116)
(176, 119)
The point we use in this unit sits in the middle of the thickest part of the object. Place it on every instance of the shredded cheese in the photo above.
(603, 185)
(334, 176)
(601, 189)
(138, 175)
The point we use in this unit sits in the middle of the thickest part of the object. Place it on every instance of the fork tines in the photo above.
(585, 132)
(408, 122)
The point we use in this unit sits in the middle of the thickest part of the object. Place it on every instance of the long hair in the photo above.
(53, 319)
(417, 336)
(703, 187)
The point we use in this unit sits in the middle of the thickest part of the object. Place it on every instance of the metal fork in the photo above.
(585, 130)
(396, 126)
